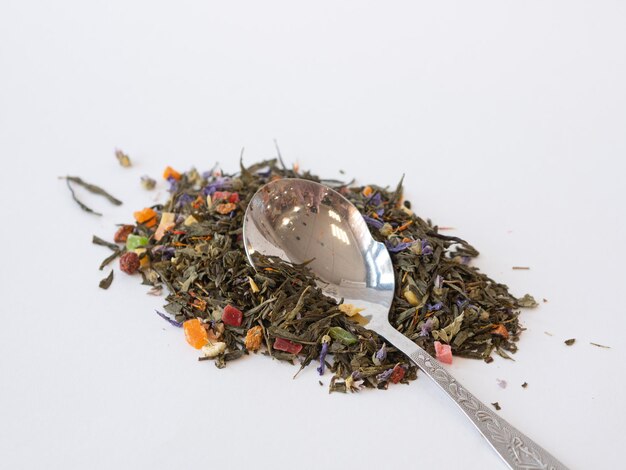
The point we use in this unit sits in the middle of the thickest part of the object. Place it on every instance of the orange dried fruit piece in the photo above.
(147, 217)
(195, 333)
(226, 208)
(367, 191)
(254, 336)
(500, 330)
(170, 172)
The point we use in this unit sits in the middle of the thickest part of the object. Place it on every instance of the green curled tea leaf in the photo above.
(339, 334)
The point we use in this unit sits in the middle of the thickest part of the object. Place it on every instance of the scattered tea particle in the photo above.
(497, 406)
(122, 158)
(195, 333)
(502, 383)
(548, 333)
(321, 383)
(92, 188)
(525, 384)
(521, 268)
(545, 301)
(600, 345)
(443, 229)
(106, 282)
(488, 359)
(129, 262)
(569, 342)
(147, 182)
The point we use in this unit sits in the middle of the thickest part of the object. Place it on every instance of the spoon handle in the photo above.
(516, 449)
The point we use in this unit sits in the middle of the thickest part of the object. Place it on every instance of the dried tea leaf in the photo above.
(106, 282)
(570, 341)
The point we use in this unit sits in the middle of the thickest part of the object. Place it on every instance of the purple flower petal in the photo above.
(381, 354)
(323, 353)
(373, 222)
(169, 320)
(426, 248)
(384, 376)
(427, 327)
(435, 307)
(399, 247)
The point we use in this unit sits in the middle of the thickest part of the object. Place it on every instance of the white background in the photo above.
(508, 119)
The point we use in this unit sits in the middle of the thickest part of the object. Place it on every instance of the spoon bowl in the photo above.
(304, 221)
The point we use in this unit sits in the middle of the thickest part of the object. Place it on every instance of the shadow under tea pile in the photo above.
(227, 309)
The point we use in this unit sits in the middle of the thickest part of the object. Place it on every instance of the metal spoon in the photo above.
(300, 220)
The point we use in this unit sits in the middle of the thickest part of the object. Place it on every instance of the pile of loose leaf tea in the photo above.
(193, 246)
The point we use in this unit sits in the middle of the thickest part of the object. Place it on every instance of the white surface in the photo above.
(508, 119)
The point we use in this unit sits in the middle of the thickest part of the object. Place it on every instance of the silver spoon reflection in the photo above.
(299, 220)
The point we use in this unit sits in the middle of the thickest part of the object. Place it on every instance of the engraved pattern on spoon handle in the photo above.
(517, 450)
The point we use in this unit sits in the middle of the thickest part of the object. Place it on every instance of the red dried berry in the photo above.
(288, 346)
(232, 316)
(122, 233)
(129, 262)
(397, 374)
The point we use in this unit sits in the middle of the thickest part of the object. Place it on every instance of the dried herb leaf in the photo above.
(106, 282)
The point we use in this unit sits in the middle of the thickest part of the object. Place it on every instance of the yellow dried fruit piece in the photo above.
(410, 297)
(349, 309)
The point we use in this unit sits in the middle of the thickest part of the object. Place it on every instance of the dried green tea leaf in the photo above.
(82, 205)
(600, 345)
(497, 406)
(569, 342)
(528, 301)
(106, 282)
(92, 188)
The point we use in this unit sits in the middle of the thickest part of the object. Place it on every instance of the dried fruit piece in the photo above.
(170, 172)
(397, 374)
(349, 309)
(129, 262)
(254, 336)
(500, 330)
(195, 334)
(146, 217)
(283, 344)
(232, 316)
(167, 222)
(213, 349)
(122, 233)
(226, 208)
(135, 241)
(443, 352)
